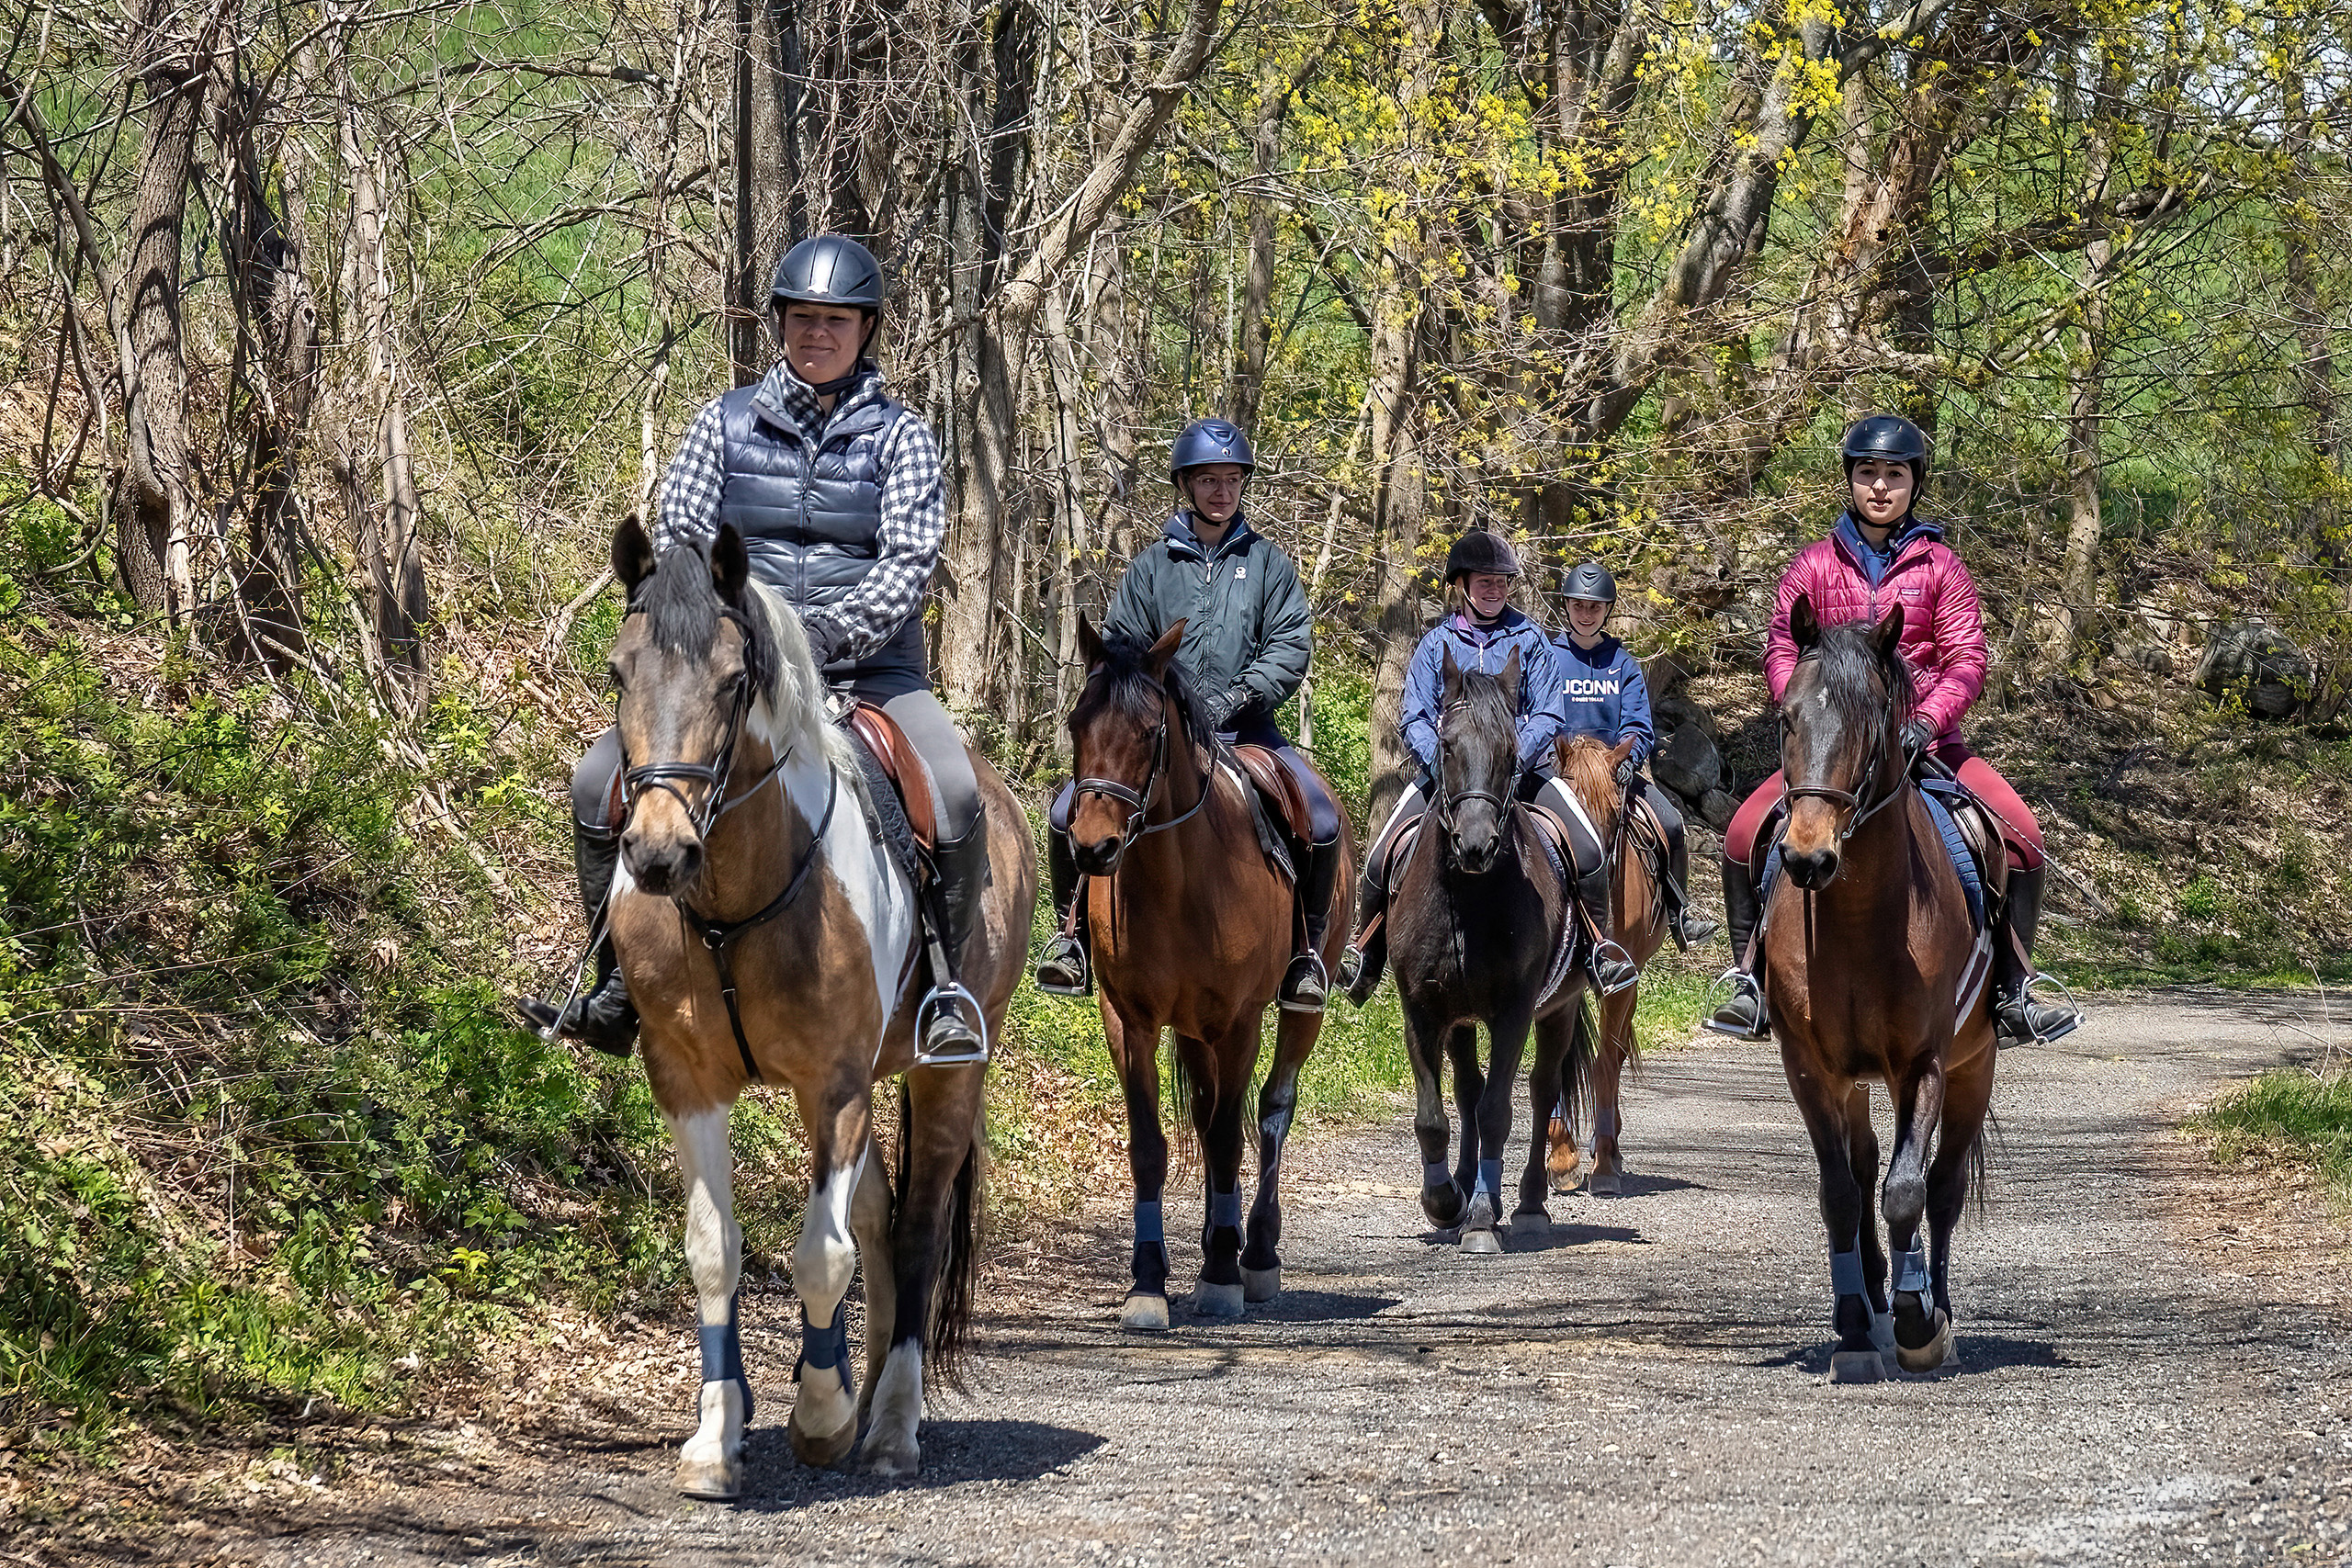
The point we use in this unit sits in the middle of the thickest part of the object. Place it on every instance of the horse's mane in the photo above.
(1851, 671)
(1129, 691)
(682, 610)
(1587, 770)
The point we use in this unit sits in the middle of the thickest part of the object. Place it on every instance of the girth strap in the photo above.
(720, 936)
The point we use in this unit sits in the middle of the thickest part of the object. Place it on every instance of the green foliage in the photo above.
(2304, 1115)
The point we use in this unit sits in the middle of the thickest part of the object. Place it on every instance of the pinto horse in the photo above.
(1638, 909)
(1478, 931)
(1866, 941)
(1192, 931)
(769, 936)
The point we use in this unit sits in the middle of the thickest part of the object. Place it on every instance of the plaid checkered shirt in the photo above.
(914, 508)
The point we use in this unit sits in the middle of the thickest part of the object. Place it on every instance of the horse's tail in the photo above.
(1575, 1063)
(952, 1295)
(1980, 1164)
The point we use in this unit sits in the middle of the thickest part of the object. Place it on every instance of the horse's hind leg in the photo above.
(824, 1415)
(1968, 1094)
(1261, 1263)
(934, 1223)
(1469, 1090)
(869, 1219)
(1861, 1158)
(1543, 1092)
(1607, 1084)
(1441, 1199)
(711, 1464)
(1919, 1109)
(1221, 1070)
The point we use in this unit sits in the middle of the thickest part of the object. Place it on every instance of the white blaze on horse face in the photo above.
(715, 1257)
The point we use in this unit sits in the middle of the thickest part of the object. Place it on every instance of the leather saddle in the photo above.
(899, 763)
(1277, 789)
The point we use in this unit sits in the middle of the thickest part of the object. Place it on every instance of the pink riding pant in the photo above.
(2020, 831)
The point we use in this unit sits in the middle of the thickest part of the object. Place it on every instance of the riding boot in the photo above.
(2018, 1018)
(952, 1031)
(1741, 1016)
(602, 1017)
(1305, 986)
(1360, 961)
(1061, 969)
(1611, 968)
(1687, 929)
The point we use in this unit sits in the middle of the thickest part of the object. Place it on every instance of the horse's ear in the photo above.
(1887, 636)
(1510, 680)
(1451, 672)
(1164, 650)
(1618, 752)
(1803, 626)
(730, 563)
(1089, 642)
(632, 553)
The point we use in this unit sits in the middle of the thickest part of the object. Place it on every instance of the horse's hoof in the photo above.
(1482, 1242)
(1216, 1301)
(892, 1461)
(1938, 1351)
(1607, 1183)
(824, 1453)
(712, 1481)
(1145, 1314)
(1532, 1222)
(1443, 1206)
(1856, 1366)
(1262, 1284)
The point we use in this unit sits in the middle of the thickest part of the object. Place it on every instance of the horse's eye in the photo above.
(613, 675)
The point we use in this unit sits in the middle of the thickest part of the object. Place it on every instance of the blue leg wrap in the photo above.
(1846, 1274)
(1436, 1173)
(827, 1348)
(1490, 1179)
(1604, 1123)
(1225, 1210)
(1911, 1276)
(1148, 1228)
(722, 1355)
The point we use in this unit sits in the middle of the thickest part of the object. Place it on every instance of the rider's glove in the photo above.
(825, 640)
(1627, 772)
(1918, 735)
(1227, 709)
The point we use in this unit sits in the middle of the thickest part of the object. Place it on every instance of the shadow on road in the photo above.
(1321, 1306)
(953, 1452)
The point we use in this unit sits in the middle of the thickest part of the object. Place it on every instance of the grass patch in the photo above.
(2296, 1114)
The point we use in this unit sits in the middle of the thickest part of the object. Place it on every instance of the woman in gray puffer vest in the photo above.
(1248, 633)
(835, 486)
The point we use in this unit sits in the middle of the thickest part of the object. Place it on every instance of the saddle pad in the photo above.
(1275, 785)
(1552, 833)
(885, 816)
(1961, 861)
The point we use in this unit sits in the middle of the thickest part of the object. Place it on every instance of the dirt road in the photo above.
(2145, 1378)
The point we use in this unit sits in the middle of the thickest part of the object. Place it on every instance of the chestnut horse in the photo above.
(1590, 769)
(1479, 932)
(1192, 930)
(1865, 942)
(768, 935)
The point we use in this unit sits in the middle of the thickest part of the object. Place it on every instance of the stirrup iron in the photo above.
(952, 997)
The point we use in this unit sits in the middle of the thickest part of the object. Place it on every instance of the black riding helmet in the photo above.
(1589, 579)
(1206, 441)
(831, 269)
(1479, 551)
(1890, 439)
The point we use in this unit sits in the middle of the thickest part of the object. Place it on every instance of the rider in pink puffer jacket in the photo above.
(1882, 554)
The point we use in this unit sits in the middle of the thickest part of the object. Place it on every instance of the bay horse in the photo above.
(769, 936)
(1192, 930)
(1866, 941)
(1638, 919)
(1478, 931)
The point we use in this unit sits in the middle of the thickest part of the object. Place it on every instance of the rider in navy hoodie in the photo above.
(1603, 695)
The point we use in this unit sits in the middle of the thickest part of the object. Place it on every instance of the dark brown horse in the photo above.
(1478, 933)
(1638, 907)
(1867, 939)
(745, 844)
(1191, 933)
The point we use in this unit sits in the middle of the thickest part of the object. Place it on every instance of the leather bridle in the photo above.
(1138, 801)
(1449, 803)
(1857, 803)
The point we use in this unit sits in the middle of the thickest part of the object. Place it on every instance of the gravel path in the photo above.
(2140, 1381)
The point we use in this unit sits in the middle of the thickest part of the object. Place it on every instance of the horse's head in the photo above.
(1133, 712)
(695, 676)
(1477, 761)
(1841, 723)
(1588, 767)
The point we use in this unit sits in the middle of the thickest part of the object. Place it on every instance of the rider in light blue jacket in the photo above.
(1483, 632)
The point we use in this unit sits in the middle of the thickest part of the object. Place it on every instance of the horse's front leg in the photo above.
(1220, 1071)
(1544, 1094)
(824, 1415)
(1133, 1042)
(1843, 1205)
(938, 1218)
(1607, 1084)
(1425, 1037)
(1490, 1116)
(1861, 1158)
(1262, 1262)
(711, 1464)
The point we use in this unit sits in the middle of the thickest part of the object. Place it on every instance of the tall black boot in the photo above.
(1062, 969)
(2018, 1018)
(1742, 1015)
(1611, 970)
(952, 1030)
(602, 1017)
(1306, 988)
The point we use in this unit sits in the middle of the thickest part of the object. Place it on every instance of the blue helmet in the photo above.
(1208, 441)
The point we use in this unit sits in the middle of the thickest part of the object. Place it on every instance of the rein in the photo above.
(1447, 803)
